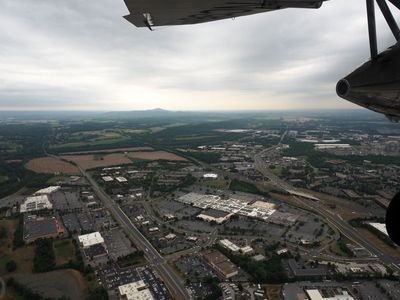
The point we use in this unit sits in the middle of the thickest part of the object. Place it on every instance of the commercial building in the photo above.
(87, 240)
(212, 215)
(93, 245)
(221, 264)
(210, 176)
(332, 294)
(227, 244)
(49, 190)
(35, 203)
(107, 178)
(135, 291)
(41, 228)
(121, 179)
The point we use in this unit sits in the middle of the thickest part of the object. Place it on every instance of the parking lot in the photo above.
(194, 268)
(111, 277)
(66, 200)
(117, 243)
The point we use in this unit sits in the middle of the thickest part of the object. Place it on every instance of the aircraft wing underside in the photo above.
(149, 13)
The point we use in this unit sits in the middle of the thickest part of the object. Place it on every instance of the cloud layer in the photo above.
(82, 55)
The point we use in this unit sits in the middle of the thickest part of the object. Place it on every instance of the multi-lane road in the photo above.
(172, 281)
(332, 219)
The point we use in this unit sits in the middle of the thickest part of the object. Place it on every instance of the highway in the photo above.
(172, 281)
(332, 219)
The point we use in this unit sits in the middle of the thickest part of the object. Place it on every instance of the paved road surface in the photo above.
(173, 282)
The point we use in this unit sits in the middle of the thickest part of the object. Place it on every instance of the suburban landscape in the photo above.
(206, 205)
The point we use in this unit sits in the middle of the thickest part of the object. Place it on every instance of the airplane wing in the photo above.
(149, 13)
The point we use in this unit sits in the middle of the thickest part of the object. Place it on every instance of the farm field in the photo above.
(51, 165)
(91, 161)
(128, 149)
(156, 155)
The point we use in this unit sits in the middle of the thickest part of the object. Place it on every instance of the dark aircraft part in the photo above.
(372, 28)
(392, 219)
(389, 18)
(376, 84)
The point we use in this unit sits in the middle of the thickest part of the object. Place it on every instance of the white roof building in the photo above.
(210, 176)
(90, 239)
(48, 190)
(135, 291)
(229, 245)
(316, 295)
(121, 179)
(35, 203)
(107, 178)
(246, 250)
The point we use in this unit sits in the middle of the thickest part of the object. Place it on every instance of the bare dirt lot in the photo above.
(155, 155)
(51, 165)
(90, 161)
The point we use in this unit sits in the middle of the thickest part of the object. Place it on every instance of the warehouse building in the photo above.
(93, 245)
(41, 228)
(49, 190)
(135, 291)
(221, 264)
(35, 203)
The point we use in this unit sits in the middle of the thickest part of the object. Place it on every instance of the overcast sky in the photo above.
(82, 55)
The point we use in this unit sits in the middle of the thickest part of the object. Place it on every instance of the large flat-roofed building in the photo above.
(229, 245)
(315, 294)
(220, 263)
(212, 215)
(41, 228)
(35, 203)
(93, 245)
(90, 239)
(48, 190)
(135, 291)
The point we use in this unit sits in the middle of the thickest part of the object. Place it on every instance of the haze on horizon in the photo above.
(74, 55)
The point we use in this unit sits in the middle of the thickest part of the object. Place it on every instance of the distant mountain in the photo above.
(143, 114)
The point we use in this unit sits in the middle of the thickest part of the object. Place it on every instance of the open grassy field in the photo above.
(216, 184)
(274, 291)
(51, 165)
(64, 251)
(94, 142)
(55, 284)
(22, 256)
(378, 242)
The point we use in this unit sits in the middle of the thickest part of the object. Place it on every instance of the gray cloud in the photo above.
(76, 54)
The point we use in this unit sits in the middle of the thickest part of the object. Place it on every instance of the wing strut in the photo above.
(373, 44)
(396, 3)
(389, 18)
